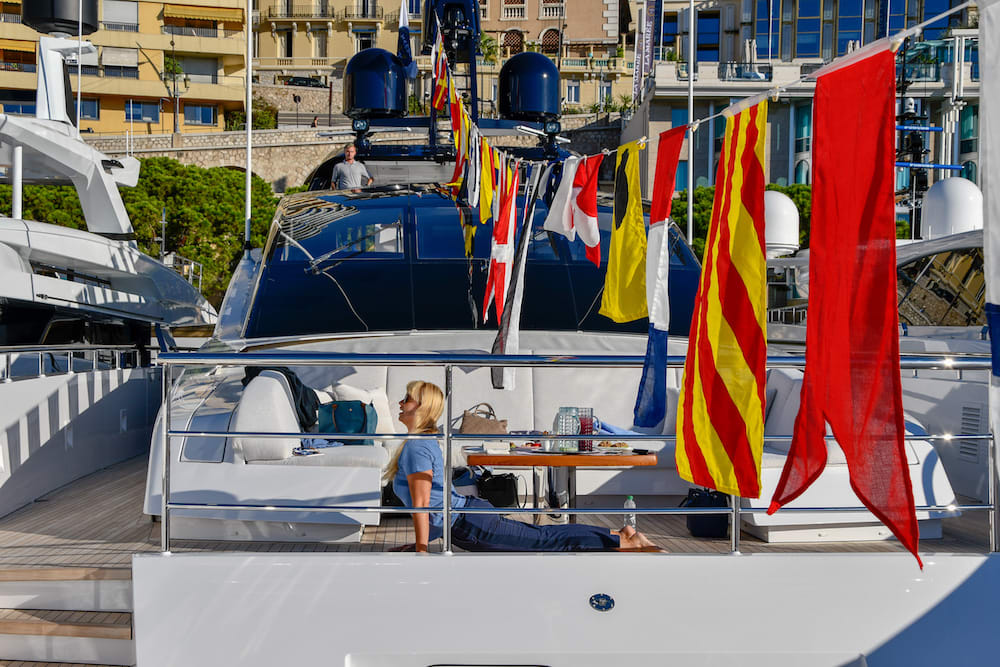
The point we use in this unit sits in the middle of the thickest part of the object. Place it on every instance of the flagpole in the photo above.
(690, 170)
(248, 175)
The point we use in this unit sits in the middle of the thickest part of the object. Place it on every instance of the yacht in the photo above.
(262, 556)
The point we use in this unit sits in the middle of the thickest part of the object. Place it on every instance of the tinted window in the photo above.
(946, 289)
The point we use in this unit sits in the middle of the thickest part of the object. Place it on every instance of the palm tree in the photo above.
(490, 51)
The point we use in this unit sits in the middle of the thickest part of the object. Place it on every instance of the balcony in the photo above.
(369, 13)
(551, 10)
(511, 12)
(17, 67)
(920, 72)
(317, 10)
(10, 18)
(120, 27)
(191, 31)
(733, 71)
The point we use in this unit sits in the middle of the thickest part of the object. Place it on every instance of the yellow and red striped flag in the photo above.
(720, 419)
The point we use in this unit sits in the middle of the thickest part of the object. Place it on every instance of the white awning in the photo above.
(113, 55)
(121, 11)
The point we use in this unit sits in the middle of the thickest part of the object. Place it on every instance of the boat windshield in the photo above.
(395, 259)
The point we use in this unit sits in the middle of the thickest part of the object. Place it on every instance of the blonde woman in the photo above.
(417, 477)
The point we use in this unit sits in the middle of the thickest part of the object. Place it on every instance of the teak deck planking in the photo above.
(97, 522)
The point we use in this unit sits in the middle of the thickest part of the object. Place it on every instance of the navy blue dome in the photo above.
(48, 16)
(529, 88)
(375, 85)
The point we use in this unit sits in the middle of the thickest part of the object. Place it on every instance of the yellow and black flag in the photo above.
(624, 297)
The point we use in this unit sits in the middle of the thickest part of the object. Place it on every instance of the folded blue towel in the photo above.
(603, 428)
(320, 443)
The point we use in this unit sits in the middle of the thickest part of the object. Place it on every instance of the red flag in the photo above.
(852, 376)
(584, 200)
(668, 154)
(440, 96)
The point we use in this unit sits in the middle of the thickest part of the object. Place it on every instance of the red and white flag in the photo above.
(502, 253)
(560, 217)
(584, 202)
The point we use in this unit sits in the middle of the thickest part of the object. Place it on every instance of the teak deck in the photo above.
(97, 522)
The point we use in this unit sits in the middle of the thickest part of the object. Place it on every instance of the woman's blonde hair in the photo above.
(431, 405)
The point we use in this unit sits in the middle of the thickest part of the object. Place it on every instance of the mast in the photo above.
(248, 22)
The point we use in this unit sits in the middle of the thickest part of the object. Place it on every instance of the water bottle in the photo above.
(630, 516)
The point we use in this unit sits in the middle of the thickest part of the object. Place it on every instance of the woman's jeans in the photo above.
(492, 532)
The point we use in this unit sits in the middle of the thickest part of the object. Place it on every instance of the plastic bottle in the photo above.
(630, 516)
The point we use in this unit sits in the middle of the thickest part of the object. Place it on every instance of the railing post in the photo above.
(734, 531)
(7, 366)
(41, 364)
(165, 474)
(991, 492)
(447, 458)
(69, 362)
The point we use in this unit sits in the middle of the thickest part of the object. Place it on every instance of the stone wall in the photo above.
(314, 100)
(284, 158)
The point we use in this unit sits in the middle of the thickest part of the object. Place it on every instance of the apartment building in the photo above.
(588, 39)
(159, 67)
(744, 47)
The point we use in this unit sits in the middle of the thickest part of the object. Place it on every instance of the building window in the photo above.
(413, 6)
(605, 91)
(708, 28)
(550, 41)
(199, 114)
(969, 170)
(572, 92)
(668, 34)
(969, 130)
(681, 179)
(803, 129)
(768, 26)
(90, 109)
(144, 112)
(802, 172)
(120, 16)
(19, 109)
(364, 40)
(513, 41)
(286, 44)
(850, 24)
(807, 29)
(319, 44)
(678, 116)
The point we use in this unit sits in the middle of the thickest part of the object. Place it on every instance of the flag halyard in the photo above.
(720, 427)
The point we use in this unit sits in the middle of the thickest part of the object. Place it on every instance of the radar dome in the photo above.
(951, 206)
(529, 88)
(60, 16)
(781, 224)
(375, 85)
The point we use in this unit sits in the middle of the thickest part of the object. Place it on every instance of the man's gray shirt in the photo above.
(347, 176)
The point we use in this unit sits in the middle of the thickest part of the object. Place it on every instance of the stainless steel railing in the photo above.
(90, 357)
(942, 361)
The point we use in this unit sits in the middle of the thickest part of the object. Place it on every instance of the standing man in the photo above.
(350, 175)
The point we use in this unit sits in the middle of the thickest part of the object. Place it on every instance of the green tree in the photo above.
(204, 209)
(265, 116)
(489, 48)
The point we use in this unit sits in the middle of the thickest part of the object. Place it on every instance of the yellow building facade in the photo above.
(588, 40)
(159, 67)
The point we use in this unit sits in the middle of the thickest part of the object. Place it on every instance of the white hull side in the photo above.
(400, 609)
(57, 429)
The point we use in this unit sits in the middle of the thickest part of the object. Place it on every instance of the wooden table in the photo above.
(557, 460)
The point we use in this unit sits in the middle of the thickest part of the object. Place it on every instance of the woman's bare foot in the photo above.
(630, 539)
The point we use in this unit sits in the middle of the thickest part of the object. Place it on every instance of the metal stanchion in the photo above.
(165, 476)
(447, 458)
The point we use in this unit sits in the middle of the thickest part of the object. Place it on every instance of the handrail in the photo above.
(929, 361)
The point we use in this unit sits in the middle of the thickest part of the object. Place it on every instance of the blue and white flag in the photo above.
(651, 401)
(403, 49)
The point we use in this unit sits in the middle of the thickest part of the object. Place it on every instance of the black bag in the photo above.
(706, 525)
(499, 490)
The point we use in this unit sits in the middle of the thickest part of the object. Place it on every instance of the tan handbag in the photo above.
(482, 419)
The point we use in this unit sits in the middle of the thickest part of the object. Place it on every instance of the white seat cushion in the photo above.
(265, 406)
(342, 457)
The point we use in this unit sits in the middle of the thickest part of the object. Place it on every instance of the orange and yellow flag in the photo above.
(720, 419)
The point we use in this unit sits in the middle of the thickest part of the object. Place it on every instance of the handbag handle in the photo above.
(479, 409)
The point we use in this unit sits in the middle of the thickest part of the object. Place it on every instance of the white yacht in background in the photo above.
(77, 308)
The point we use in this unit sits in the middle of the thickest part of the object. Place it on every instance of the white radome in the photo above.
(951, 206)
(781, 224)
